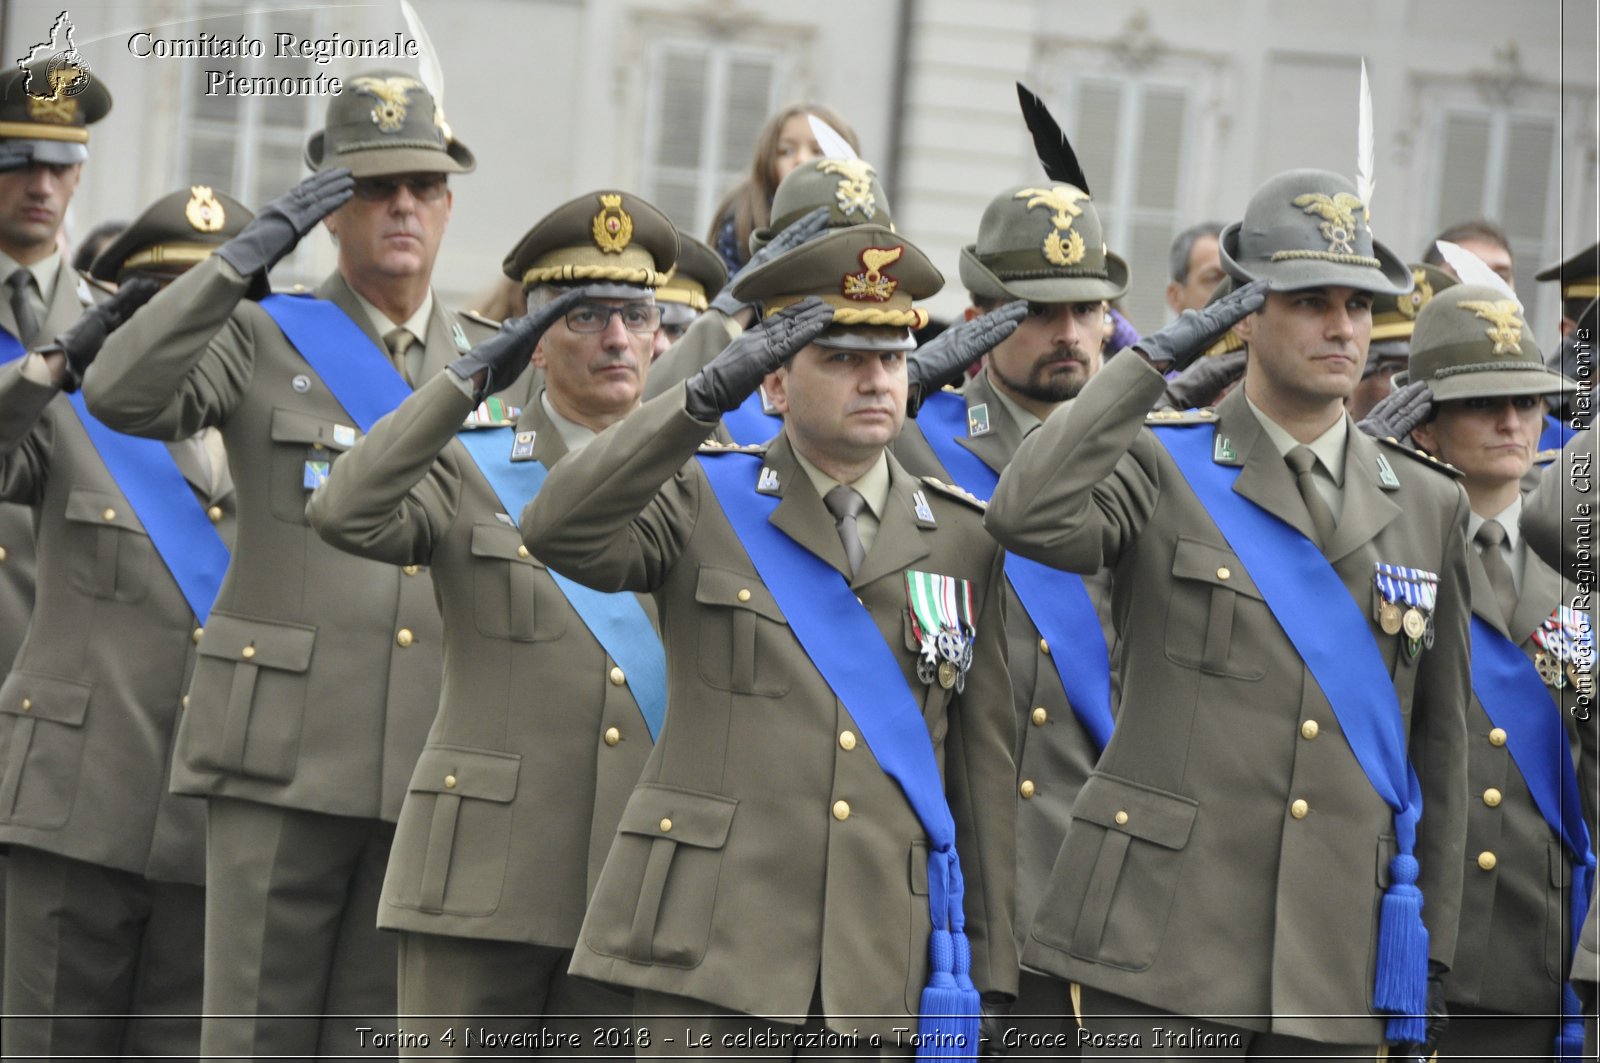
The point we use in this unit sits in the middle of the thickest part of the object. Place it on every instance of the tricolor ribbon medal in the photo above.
(1566, 649)
(941, 621)
(1408, 596)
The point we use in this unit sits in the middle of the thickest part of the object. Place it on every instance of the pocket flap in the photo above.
(102, 507)
(45, 697)
(501, 541)
(484, 774)
(265, 643)
(1151, 815)
(1212, 564)
(688, 817)
(292, 426)
(735, 590)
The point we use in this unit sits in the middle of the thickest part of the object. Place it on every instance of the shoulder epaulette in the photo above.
(1205, 415)
(956, 492)
(1545, 457)
(473, 315)
(713, 445)
(299, 289)
(1391, 443)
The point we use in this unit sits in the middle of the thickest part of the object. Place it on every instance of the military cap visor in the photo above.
(173, 233)
(866, 338)
(1579, 275)
(386, 122)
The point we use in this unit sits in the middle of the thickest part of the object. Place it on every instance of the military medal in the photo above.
(1408, 596)
(1389, 618)
(1566, 650)
(947, 674)
(941, 622)
(1414, 624)
(1549, 670)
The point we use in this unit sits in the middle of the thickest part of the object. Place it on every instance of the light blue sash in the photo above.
(845, 645)
(1334, 637)
(617, 621)
(361, 377)
(1057, 602)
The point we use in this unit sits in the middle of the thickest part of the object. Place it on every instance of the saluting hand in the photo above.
(80, 343)
(275, 231)
(734, 374)
(948, 354)
(1201, 383)
(1399, 412)
(1187, 338)
(796, 233)
(495, 362)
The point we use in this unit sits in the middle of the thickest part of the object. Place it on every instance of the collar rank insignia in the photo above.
(924, 511)
(854, 193)
(1062, 247)
(872, 284)
(1222, 449)
(767, 483)
(522, 446)
(394, 99)
(203, 212)
(612, 227)
(768, 407)
(978, 420)
(344, 435)
(460, 337)
(1338, 214)
(1386, 475)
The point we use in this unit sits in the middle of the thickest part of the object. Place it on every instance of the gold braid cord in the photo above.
(1328, 256)
(650, 278)
(858, 315)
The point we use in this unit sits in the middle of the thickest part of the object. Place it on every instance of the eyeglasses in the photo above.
(596, 317)
(424, 187)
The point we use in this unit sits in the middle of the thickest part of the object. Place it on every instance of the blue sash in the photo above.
(1515, 699)
(617, 621)
(1556, 433)
(361, 377)
(1334, 638)
(11, 348)
(750, 423)
(1057, 602)
(849, 651)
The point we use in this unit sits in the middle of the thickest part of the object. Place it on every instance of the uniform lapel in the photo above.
(1367, 508)
(801, 514)
(899, 543)
(442, 348)
(336, 291)
(66, 303)
(1541, 593)
(548, 446)
(1265, 478)
(996, 447)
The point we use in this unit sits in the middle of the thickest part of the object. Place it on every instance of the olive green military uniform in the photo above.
(1227, 856)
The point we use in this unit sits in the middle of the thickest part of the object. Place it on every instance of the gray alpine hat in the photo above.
(1470, 341)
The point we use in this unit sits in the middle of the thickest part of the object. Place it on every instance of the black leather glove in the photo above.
(798, 232)
(734, 374)
(1399, 412)
(276, 230)
(1438, 1019)
(83, 341)
(503, 356)
(996, 1008)
(946, 357)
(1187, 338)
(1201, 383)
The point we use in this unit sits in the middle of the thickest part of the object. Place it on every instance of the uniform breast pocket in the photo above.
(304, 447)
(656, 897)
(114, 560)
(451, 847)
(41, 747)
(505, 588)
(1210, 592)
(248, 697)
(744, 639)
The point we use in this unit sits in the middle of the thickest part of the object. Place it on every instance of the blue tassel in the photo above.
(1402, 969)
(947, 1026)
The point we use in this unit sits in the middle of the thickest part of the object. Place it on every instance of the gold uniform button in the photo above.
(1308, 730)
(847, 740)
(1497, 737)
(27, 704)
(410, 570)
(186, 701)
(1040, 716)
(1224, 572)
(617, 678)
(841, 810)
(404, 637)
(197, 633)
(744, 594)
(1121, 817)
(1491, 797)
(522, 551)
(1044, 647)
(109, 514)
(449, 782)
(215, 513)
(612, 736)
(1299, 810)
(1487, 860)
(2, 553)
(665, 825)
(1027, 789)
(248, 652)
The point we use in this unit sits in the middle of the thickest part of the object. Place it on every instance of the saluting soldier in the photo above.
(318, 672)
(1528, 860)
(1249, 841)
(1058, 625)
(840, 726)
(105, 902)
(552, 693)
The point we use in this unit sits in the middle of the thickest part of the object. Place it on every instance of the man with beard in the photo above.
(1057, 624)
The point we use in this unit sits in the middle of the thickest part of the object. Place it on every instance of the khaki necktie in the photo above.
(22, 308)
(845, 503)
(1489, 538)
(1302, 460)
(399, 341)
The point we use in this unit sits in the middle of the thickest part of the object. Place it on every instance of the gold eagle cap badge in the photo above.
(204, 212)
(871, 284)
(855, 185)
(1063, 246)
(1422, 291)
(1338, 217)
(394, 100)
(1505, 323)
(612, 227)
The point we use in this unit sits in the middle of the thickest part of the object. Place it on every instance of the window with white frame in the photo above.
(708, 102)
